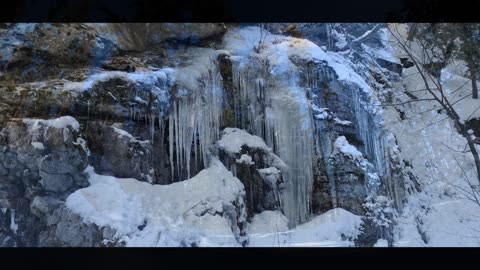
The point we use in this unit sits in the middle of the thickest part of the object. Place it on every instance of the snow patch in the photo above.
(234, 138)
(336, 227)
(341, 145)
(38, 145)
(59, 123)
(245, 159)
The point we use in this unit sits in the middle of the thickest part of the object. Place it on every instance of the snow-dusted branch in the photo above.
(358, 40)
(439, 96)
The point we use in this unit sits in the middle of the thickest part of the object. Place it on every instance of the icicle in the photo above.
(195, 119)
(170, 140)
(280, 115)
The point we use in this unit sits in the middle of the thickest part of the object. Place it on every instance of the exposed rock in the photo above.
(86, 71)
(116, 152)
(56, 183)
(349, 184)
(3, 170)
(39, 51)
(31, 175)
(41, 206)
(260, 172)
(138, 36)
(293, 30)
(64, 162)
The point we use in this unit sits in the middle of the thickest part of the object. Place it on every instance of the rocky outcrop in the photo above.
(349, 183)
(42, 163)
(116, 152)
(139, 36)
(140, 93)
(258, 168)
(38, 51)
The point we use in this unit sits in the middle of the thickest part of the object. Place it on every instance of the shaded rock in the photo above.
(116, 152)
(10, 189)
(3, 170)
(59, 162)
(71, 231)
(349, 184)
(56, 183)
(260, 172)
(41, 206)
(42, 158)
(122, 63)
(395, 67)
(293, 30)
(44, 50)
(138, 36)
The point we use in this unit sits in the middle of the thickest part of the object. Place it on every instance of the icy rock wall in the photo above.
(194, 120)
(276, 109)
(341, 108)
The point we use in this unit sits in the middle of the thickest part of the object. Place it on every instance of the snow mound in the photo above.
(336, 227)
(193, 211)
(341, 145)
(234, 138)
(268, 222)
(446, 226)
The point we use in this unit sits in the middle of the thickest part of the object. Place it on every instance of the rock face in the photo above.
(349, 183)
(119, 154)
(42, 163)
(138, 36)
(149, 102)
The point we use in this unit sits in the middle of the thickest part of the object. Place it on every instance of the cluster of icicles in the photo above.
(275, 109)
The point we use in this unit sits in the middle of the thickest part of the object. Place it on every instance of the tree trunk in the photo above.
(328, 30)
(474, 86)
(412, 31)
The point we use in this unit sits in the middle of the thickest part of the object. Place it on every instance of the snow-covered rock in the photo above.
(207, 209)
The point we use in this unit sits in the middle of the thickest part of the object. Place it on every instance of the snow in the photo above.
(342, 122)
(190, 76)
(326, 230)
(271, 174)
(280, 48)
(245, 159)
(381, 243)
(341, 145)
(453, 223)
(267, 222)
(269, 170)
(195, 116)
(286, 122)
(124, 133)
(234, 138)
(384, 52)
(149, 77)
(439, 213)
(59, 123)
(38, 145)
(191, 210)
(320, 113)
(185, 211)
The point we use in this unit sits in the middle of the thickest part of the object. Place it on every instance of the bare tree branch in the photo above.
(442, 100)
